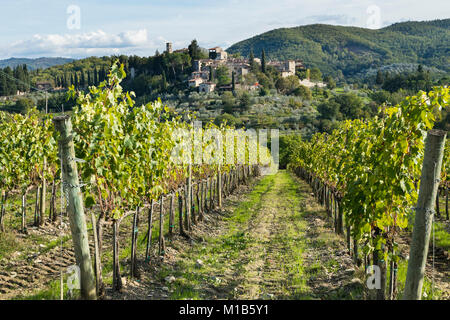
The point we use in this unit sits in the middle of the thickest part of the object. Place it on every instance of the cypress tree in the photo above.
(95, 77)
(420, 68)
(211, 74)
(26, 77)
(263, 61)
(379, 80)
(233, 81)
(11, 87)
(194, 50)
(164, 81)
(3, 84)
(82, 80)
(252, 60)
(18, 74)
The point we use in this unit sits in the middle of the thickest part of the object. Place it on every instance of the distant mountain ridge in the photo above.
(33, 64)
(349, 51)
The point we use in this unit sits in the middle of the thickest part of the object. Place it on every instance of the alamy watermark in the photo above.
(374, 279)
(74, 20)
(232, 146)
(73, 280)
(374, 18)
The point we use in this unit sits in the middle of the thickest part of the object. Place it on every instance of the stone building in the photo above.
(287, 68)
(240, 66)
(207, 87)
(200, 74)
(169, 47)
(194, 83)
(218, 53)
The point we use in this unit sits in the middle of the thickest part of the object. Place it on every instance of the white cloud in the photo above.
(81, 44)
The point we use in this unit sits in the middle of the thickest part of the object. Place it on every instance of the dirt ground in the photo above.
(271, 240)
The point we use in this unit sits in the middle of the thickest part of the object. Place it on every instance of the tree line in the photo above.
(9, 86)
(81, 79)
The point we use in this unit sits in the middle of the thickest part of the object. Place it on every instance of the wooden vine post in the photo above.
(36, 207)
(438, 211)
(53, 214)
(117, 279)
(75, 207)
(98, 274)
(206, 196)
(161, 227)
(180, 213)
(189, 199)
(193, 204)
(197, 202)
(24, 211)
(2, 210)
(219, 187)
(42, 203)
(211, 204)
(134, 237)
(186, 207)
(429, 183)
(149, 232)
(446, 201)
(171, 215)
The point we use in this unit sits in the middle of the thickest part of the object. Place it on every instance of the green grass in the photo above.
(442, 237)
(428, 292)
(9, 243)
(293, 238)
(217, 252)
(52, 292)
(441, 233)
(232, 251)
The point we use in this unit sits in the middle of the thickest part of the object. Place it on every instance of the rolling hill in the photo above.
(33, 64)
(352, 50)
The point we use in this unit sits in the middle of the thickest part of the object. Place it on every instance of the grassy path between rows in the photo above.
(271, 240)
(273, 244)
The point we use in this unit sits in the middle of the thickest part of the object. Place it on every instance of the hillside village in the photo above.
(204, 71)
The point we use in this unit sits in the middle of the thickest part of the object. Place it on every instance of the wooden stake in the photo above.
(96, 255)
(134, 236)
(161, 227)
(53, 214)
(2, 210)
(149, 231)
(117, 279)
(42, 200)
(24, 211)
(446, 202)
(36, 207)
(189, 199)
(180, 213)
(438, 211)
(75, 207)
(187, 208)
(429, 183)
(171, 214)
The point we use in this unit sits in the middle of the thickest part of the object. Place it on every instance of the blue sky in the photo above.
(40, 27)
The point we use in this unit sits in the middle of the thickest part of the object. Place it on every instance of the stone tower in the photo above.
(169, 47)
